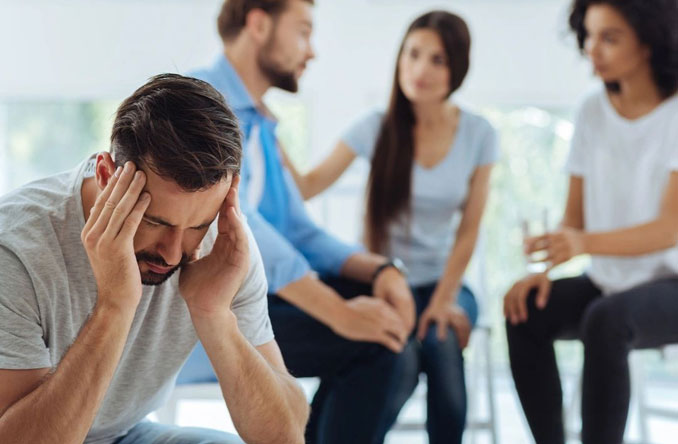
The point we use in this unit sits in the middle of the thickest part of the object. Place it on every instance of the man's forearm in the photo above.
(63, 407)
(316, 299)
(266, 405)
(361, 266)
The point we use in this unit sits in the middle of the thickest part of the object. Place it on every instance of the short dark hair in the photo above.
(655, 22)
(181, 129)
(233, 14)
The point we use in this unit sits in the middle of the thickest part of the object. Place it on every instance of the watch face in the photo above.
(400, 265)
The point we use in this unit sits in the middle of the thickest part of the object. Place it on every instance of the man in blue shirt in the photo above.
(325, 326)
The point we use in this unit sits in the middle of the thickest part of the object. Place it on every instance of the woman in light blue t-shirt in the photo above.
(431, 160)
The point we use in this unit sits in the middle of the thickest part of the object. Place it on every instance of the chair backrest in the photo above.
(476, 277)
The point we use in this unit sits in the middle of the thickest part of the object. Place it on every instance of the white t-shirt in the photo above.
(625, 166)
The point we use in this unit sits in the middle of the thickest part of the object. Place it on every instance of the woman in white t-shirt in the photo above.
(622, 209)
(431, 160)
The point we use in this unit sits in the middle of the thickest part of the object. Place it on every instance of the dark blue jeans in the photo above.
(356, 402)
(443, 364)
(153, 433)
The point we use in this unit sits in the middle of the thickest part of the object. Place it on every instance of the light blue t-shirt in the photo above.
(424, 242)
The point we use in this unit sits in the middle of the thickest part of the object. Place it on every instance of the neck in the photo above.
(89, 194)
(431, 114)
(639, 89)
(242, 57)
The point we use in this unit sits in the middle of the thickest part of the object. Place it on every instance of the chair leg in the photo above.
(638, 392)
(489, 377)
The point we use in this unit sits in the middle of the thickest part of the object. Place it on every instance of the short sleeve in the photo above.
(361, 135)
(250, 304)
(21, 336)
(672, 127)
(489, 147)
(576, 161)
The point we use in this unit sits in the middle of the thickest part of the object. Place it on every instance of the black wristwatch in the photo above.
(393, 262)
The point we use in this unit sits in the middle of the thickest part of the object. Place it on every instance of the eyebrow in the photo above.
(161, 221)
(612, 31)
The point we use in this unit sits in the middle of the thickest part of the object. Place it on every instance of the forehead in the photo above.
(180, 207)
(603, 16)
(424, 39)
(297, 12)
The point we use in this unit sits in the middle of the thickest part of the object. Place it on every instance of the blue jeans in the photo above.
(153, 433)
(356, 402)
(443, 364)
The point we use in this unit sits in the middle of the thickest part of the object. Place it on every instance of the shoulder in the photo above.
(591, 105)
(371, 119)
(33, 218)
(476, 123)
(363, 132)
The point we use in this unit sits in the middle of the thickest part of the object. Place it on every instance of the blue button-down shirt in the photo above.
(291, 244)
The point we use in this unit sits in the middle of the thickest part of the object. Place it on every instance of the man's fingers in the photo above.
(133, 219)
(125, 205)
(406, 312)
(101, 199)
(109, 204)
(235, 186)
(395, 326)
(390, 342)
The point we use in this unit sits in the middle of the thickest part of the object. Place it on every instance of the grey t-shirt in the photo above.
(424, 242)
(47, 292)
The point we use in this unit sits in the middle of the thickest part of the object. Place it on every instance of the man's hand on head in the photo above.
(108, 237)
(209, 284)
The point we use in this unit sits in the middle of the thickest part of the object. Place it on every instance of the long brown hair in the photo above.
(390, 181)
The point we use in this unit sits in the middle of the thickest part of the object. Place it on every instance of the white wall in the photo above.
(522, 52)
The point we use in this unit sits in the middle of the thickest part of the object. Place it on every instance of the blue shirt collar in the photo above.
(232, 85)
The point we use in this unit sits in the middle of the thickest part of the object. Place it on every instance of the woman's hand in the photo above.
(560, 246)
(445, 314)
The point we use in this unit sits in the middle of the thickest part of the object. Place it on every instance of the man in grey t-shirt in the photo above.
(95, 324)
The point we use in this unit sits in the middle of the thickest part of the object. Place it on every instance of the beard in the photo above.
(151, 278)
(276, 74)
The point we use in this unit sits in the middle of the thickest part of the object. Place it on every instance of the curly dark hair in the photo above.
(656, 25)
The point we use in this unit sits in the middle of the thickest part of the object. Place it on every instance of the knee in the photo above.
(444, 353)
(604, 323)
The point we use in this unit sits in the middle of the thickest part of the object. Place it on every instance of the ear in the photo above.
(104, 170)
(259, 25)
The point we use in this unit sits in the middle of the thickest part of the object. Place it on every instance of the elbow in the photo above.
(669, 230)
(298, 419)
(293, 433)
(307, 188)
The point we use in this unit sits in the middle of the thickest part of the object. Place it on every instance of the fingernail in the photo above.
(117, 172)
(145, 196)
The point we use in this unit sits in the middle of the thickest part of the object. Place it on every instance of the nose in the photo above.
(170, 247)
(592, 48)
(310, 53)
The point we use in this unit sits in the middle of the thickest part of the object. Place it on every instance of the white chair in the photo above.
(639, 399)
